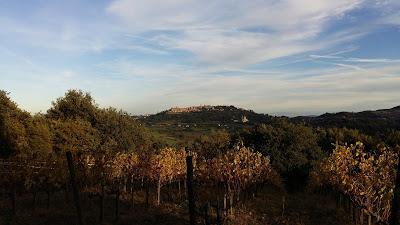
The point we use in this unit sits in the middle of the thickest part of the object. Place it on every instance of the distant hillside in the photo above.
(371, 122)
(220, 116)
(181, 125)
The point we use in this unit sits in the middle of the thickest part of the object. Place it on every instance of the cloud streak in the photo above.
(144, 56)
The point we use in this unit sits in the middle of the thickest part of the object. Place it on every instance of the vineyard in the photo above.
(234, 175)
(364, 181)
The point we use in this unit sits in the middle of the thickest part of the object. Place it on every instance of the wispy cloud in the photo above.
(227, 32)
(143, 56)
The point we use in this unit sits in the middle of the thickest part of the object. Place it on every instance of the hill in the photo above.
(178, 124)
(181, 124)
(370, 122)
(220, 116)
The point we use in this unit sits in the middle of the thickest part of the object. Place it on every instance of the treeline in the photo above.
(377, 123)
(294, 148)
(73, 123)
(76, 123)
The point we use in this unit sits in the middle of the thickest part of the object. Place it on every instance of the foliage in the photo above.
(368, 178)
(118, 126)
(212, 144)
(291, 146)
(74, 135)
(238, 169)
(74, 105)
(75, 122)
(39, 135)
(328, 137)
(376, 123)
(13, 136)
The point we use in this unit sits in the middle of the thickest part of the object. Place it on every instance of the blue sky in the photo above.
(289, 57)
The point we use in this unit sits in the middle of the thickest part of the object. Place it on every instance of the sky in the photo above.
(282, 57)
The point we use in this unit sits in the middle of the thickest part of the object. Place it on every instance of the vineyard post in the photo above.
(189, 180)
(218, 213)
(48, 199)
(231, 203)
(225, 209)
(179, 189)
(159, 191)
(147, 193)
(132, 192)
(351, 210)
(206, 217)
(117, 203)
(34, 200)
(13, 202)
(74, 187)
(102, 203)
(395, 212)
(362, 216)
(66, 194)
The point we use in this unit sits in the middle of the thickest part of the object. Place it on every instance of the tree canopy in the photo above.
(74, 122)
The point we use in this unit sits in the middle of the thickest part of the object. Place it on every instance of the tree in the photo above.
(293, 148)
(116, 129)
(328, 137)
(13, 137)
(74, 135)
(393, 138)
(75, 104)
(212, 144)
(39, 135)
(122, 128)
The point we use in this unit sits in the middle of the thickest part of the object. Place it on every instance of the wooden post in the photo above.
(185, 187)
(34, 200)
(147, 193)
(206, 217)
(66, 194)
(179, 189)
(117, 204)
(369, 219)
(74, 187)
(48, 200)
(219, 222)
(351, 211)
(190, 193)
(362, 216)
(159, 191)
(231, 203)
(225, 205)
(395, 212)
(102, 204)
(13, 196)
(132, 193)
(132, 198)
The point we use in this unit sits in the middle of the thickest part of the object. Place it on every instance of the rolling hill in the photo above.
(182, 124)
(370, 122)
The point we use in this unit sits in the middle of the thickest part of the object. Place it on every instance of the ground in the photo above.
(301, 208)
